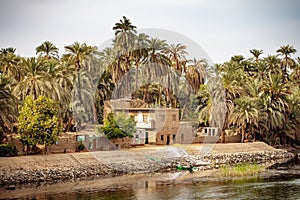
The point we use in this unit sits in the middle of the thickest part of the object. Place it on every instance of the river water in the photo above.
(282, 182)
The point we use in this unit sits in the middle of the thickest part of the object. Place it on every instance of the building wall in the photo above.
(65, 143)
(167, 125)
(161, 124)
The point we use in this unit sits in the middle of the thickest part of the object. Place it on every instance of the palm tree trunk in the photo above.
(136, 76)
(95, 114)
(243, 135)
(78, 127)
(223, 136)
(182, 112)
(79, 86)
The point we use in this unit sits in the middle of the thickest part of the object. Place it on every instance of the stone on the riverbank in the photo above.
(163, 161)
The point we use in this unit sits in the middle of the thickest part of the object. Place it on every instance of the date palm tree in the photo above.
(47, 49)
(35, 82)
(124, 42)
(8, 113)
(9, 63)
(140, 54)
(274, 106)
(177, 54)
(295, 76)
(258, 65)
(157, 64)
(272, 63)
(78, 55)
(256, 53)
(60, 81)
(287, 62)
(245, 114)
(197, 73)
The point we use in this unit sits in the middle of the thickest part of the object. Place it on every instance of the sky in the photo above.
(222, 28)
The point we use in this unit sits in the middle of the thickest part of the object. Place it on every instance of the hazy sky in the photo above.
(221, 27)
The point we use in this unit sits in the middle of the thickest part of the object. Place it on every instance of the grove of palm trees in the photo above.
(260, 95)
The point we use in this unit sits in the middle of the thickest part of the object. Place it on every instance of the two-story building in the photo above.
(153, 125)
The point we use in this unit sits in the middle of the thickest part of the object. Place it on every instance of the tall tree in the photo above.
(157, 64)
(177, 54)
(8, 113)
(48, 50)
(9, 63)
(38, 122)
(245, 114)
(124, 42)
(287, 62)
(258, 65)
(140, 53)
(197, 73)
(78, 55)
(35, 82)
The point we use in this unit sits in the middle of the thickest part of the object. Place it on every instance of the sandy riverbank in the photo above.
(55, 168)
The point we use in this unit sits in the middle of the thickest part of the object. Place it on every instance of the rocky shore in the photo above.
(49, 169)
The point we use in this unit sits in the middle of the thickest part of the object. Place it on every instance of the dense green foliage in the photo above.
(119, 126)
(258, 96)
(8, 150)
(38, 122)
(261, 95)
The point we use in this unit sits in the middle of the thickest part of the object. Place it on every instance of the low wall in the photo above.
(229, 159)
(125, 142)
(60, 167)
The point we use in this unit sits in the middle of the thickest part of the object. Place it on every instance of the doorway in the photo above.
(146, 138)
(168, 140)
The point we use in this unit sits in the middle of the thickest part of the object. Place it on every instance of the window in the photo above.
(162, 137)
(145, 118)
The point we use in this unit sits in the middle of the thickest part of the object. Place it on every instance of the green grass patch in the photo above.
(242, 169)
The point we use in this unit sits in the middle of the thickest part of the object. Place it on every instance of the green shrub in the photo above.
(38, 122)
(119, 126)
(81, 146)
(242, 169)
(7, 150)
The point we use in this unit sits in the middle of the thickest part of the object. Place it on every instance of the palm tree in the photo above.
(124, 41)
(124, 26)
(237, 58)
(9, 62)
(274, 106)
(177, 54)
(216, 109)
(272, 63)
(35, 82)
(290, 132)
(60, 80)
(78, 55)
(8, 113)
(295, 76)
(256, 53)
(287, 61)
(157, 64)
(258, 65)
(245, 114)
(196, 73)
(140, 54)
(48, 50)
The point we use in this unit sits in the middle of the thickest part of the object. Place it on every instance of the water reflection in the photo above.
(154, 187)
